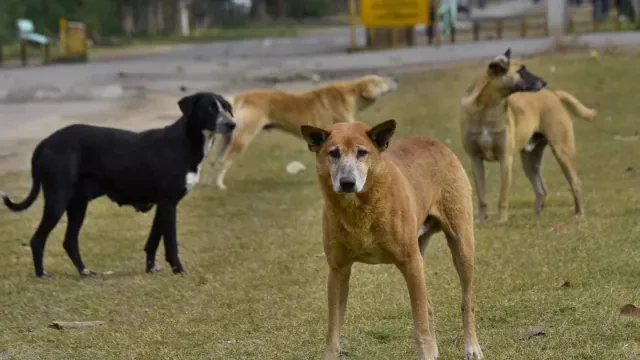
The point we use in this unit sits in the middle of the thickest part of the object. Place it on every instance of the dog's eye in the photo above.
(361, 153)
(335, 153)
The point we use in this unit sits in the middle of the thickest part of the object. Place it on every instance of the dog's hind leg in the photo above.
(76, 211)
(55, 200)
(153, 241)
(565, 156)
(532, 164)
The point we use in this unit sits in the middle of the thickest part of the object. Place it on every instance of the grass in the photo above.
(256, 287)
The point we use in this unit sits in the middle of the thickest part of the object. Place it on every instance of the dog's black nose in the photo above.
(231, 126)
(347, 184)
(396, 79)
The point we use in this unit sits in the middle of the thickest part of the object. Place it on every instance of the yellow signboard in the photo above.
(73, 40)
(380, 13)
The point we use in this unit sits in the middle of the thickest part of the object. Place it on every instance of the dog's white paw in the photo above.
(87, 272)
(473, 352)
(221, 186)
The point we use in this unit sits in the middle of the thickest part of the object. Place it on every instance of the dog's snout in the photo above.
(541, 84)
(347, 184)
(231, 126)
(395, 78)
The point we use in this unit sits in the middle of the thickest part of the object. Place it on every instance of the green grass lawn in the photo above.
(256, 287)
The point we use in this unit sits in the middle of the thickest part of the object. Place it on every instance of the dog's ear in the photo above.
(188, 103)
(381, 134)
(500, 64)
(314, 136)
(224, 103)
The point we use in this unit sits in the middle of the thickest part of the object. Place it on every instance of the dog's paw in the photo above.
(178, 270)
(221, 186)
(153, 269)
(473, 352)
(44, 275)
(88, 272)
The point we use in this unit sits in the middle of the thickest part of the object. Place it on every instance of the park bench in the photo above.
(25, 31)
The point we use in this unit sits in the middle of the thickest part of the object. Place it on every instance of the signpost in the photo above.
(391, 17)
(73, 41)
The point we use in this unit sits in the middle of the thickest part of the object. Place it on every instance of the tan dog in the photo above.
(382, 207)
(270, 108)
(506, 110)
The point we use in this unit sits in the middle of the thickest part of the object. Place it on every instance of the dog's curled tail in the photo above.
(33, 195)
(581, 110)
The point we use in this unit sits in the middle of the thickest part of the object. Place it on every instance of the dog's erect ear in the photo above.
(224, 103)
(500, 64)
(188, 103)
(507, 54)
(314, 136)
(381, 134)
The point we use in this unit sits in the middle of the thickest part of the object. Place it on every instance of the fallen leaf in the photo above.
(60, 325)
(626, 138)
(528, 335)
(630, 169)
(566, 284)
(630, 310)
(109, 272)
(295, 167)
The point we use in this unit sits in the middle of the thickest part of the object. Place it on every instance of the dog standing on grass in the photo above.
(506, 109)
(256, 110)
(381, 206)
(79, 163)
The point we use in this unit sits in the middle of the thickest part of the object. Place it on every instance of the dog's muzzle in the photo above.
(225, 124)
(347, 184)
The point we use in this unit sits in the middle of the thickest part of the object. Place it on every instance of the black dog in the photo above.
(79, 163)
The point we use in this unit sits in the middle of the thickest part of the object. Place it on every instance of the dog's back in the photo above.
(122, 164)
(432, 170)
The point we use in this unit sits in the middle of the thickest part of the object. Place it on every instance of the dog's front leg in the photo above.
(506, 164)
(478, 179)
(168, 218)
(338, 290)
(153, 241)
(413, 271)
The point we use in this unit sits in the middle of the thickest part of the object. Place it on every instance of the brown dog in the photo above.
(382, 207)
(506, 109)
(271, 108)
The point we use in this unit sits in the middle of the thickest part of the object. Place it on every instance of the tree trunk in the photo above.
(259, 10)
(150, 12)
(160, 26)
(183, 17)
(125, 9)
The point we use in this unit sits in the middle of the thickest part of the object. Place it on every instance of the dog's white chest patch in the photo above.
(193, 178)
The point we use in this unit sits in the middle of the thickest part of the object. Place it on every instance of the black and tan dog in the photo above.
(507, 109)
(382, 206)
(79, 163)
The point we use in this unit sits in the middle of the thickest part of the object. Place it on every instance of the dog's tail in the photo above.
(33, 195)
(577, 107)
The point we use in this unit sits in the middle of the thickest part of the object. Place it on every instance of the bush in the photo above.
(309, 8)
